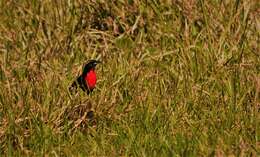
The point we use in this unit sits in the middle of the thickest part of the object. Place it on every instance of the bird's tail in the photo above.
(73, 88)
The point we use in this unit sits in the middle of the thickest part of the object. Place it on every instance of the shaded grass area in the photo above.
(178, 78)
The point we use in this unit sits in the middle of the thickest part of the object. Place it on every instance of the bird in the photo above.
(87, 80)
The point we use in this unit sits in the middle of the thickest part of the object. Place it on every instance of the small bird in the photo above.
(87, 80)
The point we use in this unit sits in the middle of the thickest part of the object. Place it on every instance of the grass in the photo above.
(178, 78)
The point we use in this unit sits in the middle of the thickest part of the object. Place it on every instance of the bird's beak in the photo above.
(98, 62)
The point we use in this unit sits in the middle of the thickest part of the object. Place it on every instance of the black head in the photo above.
(90, 65)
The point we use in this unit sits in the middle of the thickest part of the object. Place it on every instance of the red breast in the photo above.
(91, 79)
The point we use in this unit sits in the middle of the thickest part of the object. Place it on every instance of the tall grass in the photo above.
(178, 78)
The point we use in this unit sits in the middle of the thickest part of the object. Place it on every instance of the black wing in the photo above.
(79, 83)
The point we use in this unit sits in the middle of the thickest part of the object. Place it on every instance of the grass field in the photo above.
(178, 78)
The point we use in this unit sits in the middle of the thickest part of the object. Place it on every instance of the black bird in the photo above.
(87, 80)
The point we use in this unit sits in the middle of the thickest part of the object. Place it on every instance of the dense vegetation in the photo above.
(178, 78)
